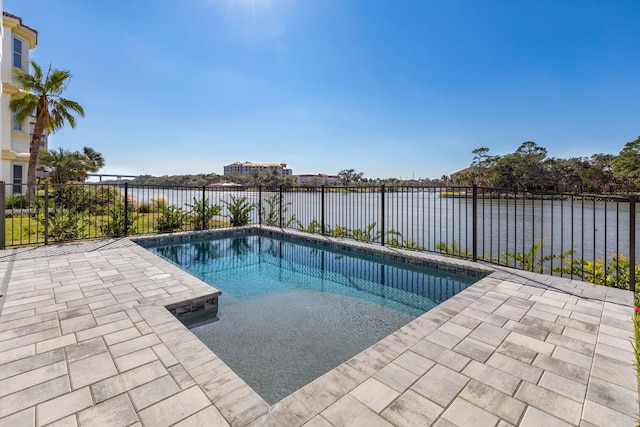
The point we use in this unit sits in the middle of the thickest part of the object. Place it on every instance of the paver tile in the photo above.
(440, 385)
(62, 406)
(441, 355)
(348, 412)
(569, 356)
(571, 343)
(613, 396)
(474, 349)
(414, 363)
(208, 416)
(153, 392)
(601, 415)
(85, 349)
(26, 364)
(496, 378)
(54, 343)
(175, 408)
(91, 370)
(568, 388)
(116, 412)
(298, 407)
(126, 381)
(412, 409)
(553, 403)
(534, 417)
(135, 359)
(32, 377)
(25, 418)
(17, 353)
(493, 401)
(134, 344)
(464, 413)
(529, 343)
(515, 367)
(374, 394)
(120, 336)
(105, 329)
(70, 421)
(396, 377)
(32, 396)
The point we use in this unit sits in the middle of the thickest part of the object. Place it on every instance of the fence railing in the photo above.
(583, 236)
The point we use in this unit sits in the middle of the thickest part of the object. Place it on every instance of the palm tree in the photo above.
(65, 165)
(93, 161)
(41, 98)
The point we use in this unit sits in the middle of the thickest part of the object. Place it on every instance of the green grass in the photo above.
(23, 230)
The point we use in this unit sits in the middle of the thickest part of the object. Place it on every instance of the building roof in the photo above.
(17, 21)
(465, 170)
(224, 184)
(283, 165)
(318, 175)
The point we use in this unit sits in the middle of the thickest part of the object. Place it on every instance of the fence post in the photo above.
(322, 211)
(260, 204)
(382, 215)
(632, 243)
(126, 209)
(280, 208)
(474, 223)
(46, 213)
(3, 215)
(204, 208)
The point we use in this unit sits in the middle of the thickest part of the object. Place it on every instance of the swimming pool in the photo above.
(291, 311)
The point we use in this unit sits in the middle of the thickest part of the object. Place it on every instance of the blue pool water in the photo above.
(290, 312)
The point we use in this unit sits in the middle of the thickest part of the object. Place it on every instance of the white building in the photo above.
(17, 40)
(249, 168)
(319, 179)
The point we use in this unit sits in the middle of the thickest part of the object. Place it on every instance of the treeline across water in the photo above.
(529, 169)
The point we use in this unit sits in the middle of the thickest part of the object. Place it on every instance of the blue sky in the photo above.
(389, 88)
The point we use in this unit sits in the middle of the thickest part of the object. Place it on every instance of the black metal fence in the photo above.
(589, 237)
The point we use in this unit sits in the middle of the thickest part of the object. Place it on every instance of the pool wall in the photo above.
(421, 259)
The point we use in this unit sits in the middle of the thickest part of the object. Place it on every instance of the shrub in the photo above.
(271, 216)
(239, 209)
(64, 225)
(171, 219)
(16, 201)
(615, 274)
(91, 199)
(117, 225)
(202, 213)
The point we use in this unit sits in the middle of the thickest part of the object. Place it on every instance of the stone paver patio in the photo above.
(85, 339)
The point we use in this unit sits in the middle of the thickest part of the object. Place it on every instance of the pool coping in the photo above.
(384, 383)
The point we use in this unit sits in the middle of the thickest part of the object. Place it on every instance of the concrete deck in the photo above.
(85, 339)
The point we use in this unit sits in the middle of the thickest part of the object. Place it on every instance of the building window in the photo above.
(17, 53)
(16, 124)
(17, 179)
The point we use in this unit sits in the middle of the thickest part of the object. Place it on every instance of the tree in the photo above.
(348, 176)
(599, 174)
(41, 97)
(93, 161)
(626, 166)
(65, 165)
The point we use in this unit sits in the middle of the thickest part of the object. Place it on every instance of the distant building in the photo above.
(17, 40)
(249, 168)
(318, 179)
